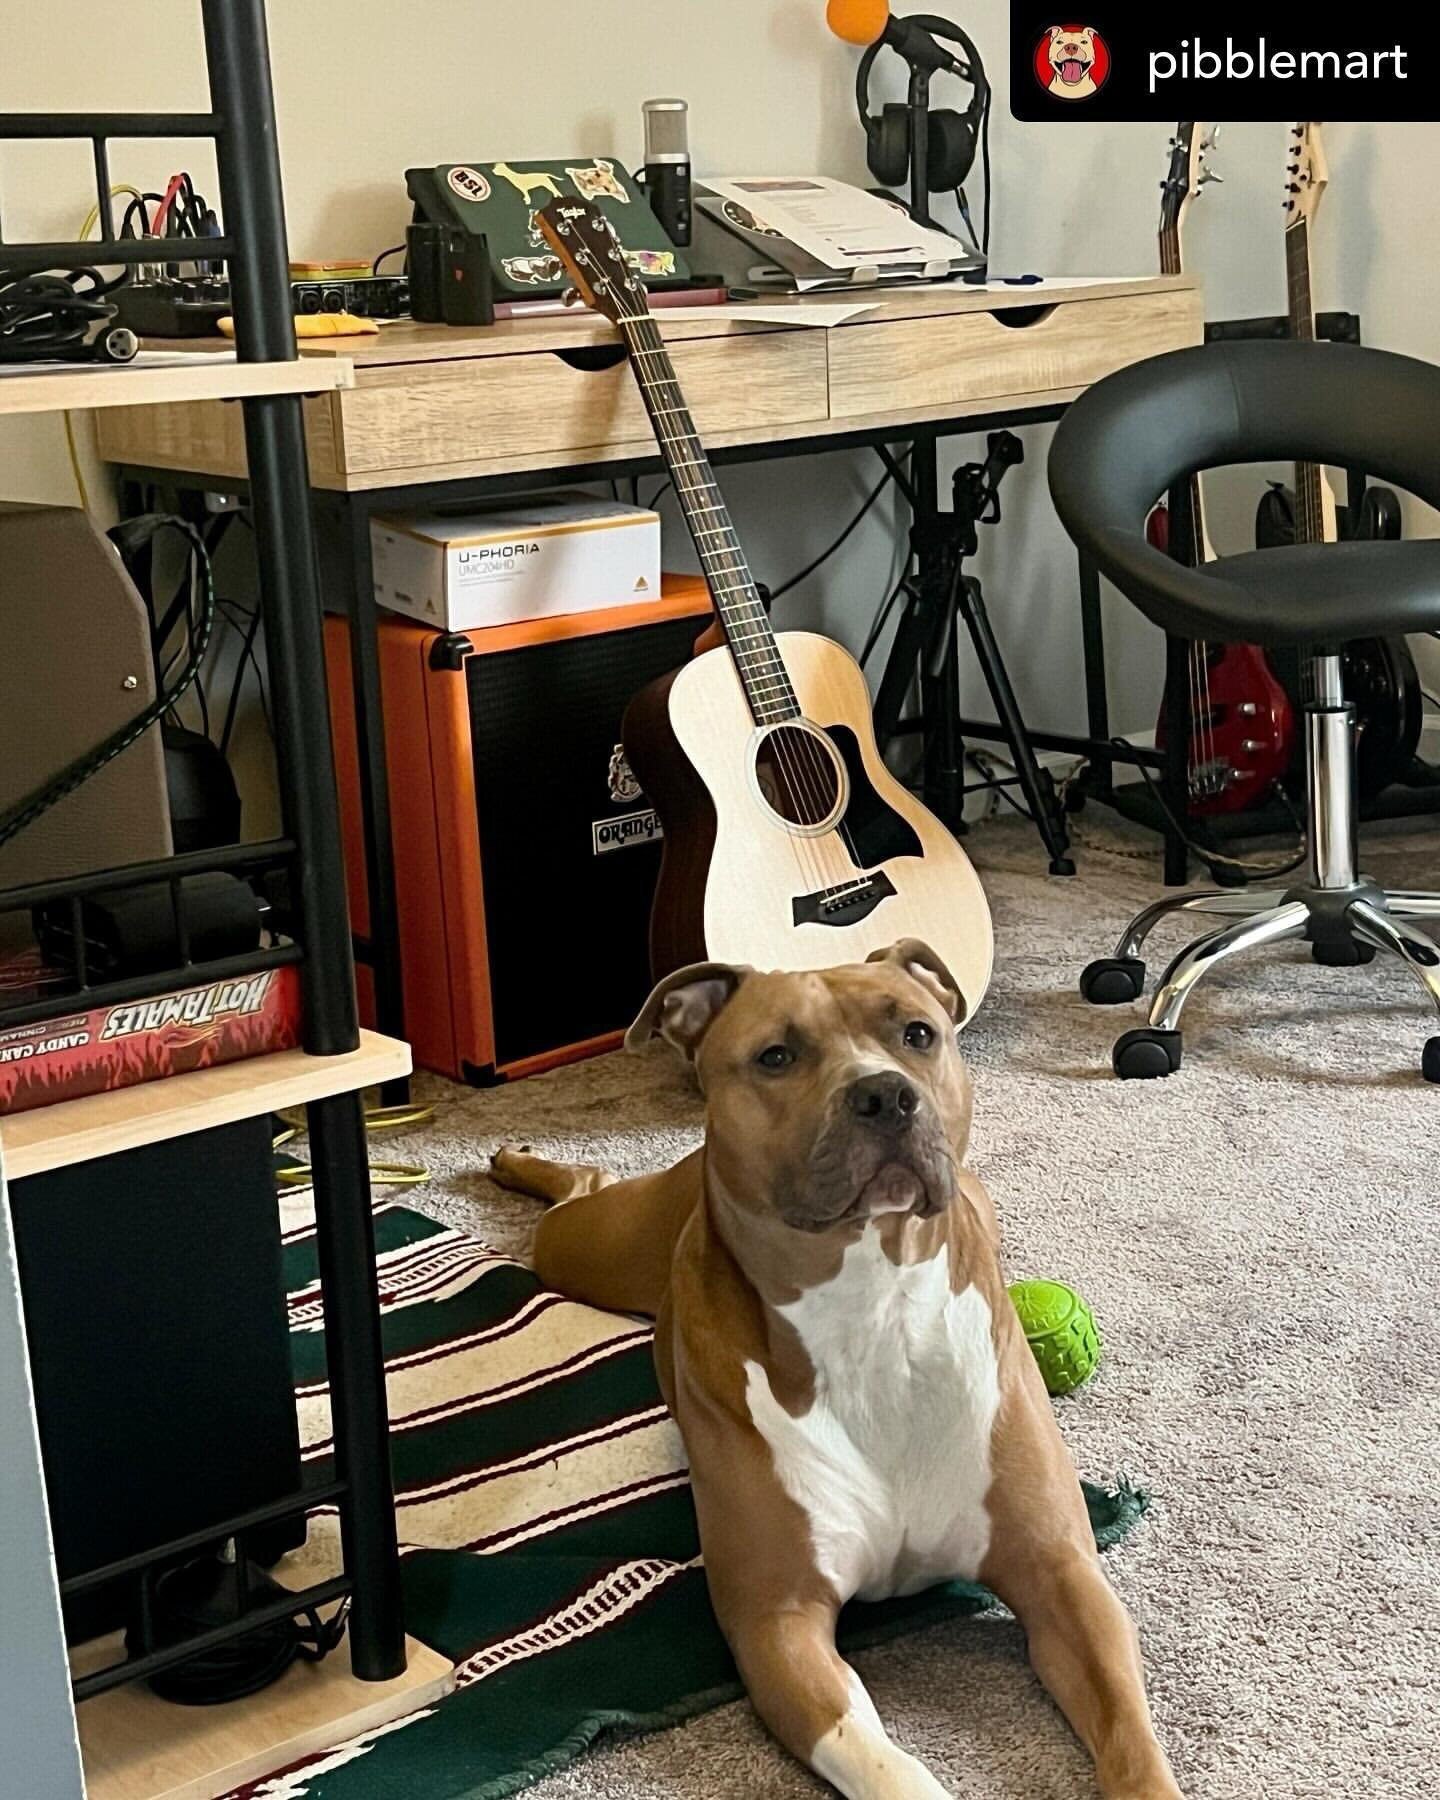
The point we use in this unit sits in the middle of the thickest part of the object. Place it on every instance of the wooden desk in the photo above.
(440, 414)
(434, 403)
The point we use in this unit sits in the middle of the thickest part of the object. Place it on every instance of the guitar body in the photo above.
(1242, 741)
(788, 844)
(1381, 679)
(740, 882)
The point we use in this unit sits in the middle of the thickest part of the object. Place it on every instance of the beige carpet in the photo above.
(1260, 1237)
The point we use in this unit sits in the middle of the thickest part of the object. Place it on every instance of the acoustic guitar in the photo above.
(1381, 679)
(1242, 723)
(787, 842)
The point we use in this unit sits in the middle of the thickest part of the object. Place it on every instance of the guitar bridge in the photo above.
(847, 904)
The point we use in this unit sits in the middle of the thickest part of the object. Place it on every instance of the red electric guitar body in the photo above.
(1242, 723)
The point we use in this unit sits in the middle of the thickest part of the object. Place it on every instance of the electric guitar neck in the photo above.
(1184, 182)
(1306, 177)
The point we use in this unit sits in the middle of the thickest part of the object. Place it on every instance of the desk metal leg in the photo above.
(355, 1359)
(383, 954)
(1097, 695)
(1175, 778)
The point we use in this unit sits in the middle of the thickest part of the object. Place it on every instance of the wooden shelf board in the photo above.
(85, 388)
(138, 1747)
(77, 1131)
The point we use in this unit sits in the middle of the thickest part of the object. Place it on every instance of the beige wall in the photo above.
(366, 91)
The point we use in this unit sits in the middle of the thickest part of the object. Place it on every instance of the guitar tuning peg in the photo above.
(1210, 176)
(1213, 139)
(570, 297)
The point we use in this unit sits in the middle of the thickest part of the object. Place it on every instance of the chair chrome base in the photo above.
(1346, 917)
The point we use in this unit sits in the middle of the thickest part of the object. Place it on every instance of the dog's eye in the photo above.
(778, 1056)
(919, 1035)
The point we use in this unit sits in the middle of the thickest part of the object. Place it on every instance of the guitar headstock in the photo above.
(1189, 173)
(589, 246)
(1307, 174)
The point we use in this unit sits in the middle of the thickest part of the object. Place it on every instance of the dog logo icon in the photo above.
(1072, 62)
(625, 790)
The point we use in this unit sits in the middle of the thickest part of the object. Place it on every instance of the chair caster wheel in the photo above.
(1113, 981)
(1146, 1055)
(1430, 1062)
(1062, 865)
(1342, 956)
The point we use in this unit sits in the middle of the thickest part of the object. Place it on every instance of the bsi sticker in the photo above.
(468, 183)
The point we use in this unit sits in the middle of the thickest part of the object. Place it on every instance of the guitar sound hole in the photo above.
(800, 776)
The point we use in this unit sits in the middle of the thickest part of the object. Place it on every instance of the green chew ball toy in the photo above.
(1061, 1331)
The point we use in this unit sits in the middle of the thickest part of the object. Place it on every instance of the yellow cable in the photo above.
(92, 218)
(75, 463)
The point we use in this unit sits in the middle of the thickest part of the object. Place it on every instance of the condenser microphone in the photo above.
(667, 166)
(867, 22)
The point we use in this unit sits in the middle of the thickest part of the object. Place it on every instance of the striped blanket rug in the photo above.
(548, 1536)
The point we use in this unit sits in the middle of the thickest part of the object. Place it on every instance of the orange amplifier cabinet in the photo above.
(526, 855)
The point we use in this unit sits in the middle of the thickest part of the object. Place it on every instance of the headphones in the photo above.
(954, 136)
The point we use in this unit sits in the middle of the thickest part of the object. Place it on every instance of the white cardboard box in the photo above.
(525, 559)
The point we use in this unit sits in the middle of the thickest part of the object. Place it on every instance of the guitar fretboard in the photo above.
(1309, 489)
(1171, 263)
(737, 601)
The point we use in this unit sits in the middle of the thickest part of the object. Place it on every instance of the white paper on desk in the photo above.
(756, 312)
(143, 359)
(838, 225)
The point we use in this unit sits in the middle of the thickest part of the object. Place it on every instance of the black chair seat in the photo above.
(1316, 594)
(1137, 434)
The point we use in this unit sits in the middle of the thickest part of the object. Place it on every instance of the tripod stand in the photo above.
(941, 599)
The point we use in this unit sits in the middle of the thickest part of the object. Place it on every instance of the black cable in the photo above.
(656, 497)
(394, 250)
(985, 166)
(25, 812)
(45, 315)
(1212, 856)
(984, 762)
(878, 623)
(246, 654)
(844, 536)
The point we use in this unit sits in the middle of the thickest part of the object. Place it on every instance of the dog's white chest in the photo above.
(892, 1462)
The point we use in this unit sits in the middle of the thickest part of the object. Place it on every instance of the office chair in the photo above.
(1129, 440)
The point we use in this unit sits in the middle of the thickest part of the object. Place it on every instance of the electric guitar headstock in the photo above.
(1307, 174)
(594, 258)
(1188, 175)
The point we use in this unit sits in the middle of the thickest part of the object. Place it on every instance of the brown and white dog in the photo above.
(862, 1414)
(1072, 56)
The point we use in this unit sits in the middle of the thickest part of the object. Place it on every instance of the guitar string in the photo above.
(691, 478)
(807, 759)
(1202, 709)
(810, 775)
(1309, 490)
(745, 609)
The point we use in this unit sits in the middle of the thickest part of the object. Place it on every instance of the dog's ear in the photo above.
(685, 1005)
(1056, 31)
(921, 963)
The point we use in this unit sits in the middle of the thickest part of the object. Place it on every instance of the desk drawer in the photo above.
(952, 359)
(537, 404)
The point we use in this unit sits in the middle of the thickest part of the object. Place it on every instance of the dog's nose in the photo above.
(887, 1101)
